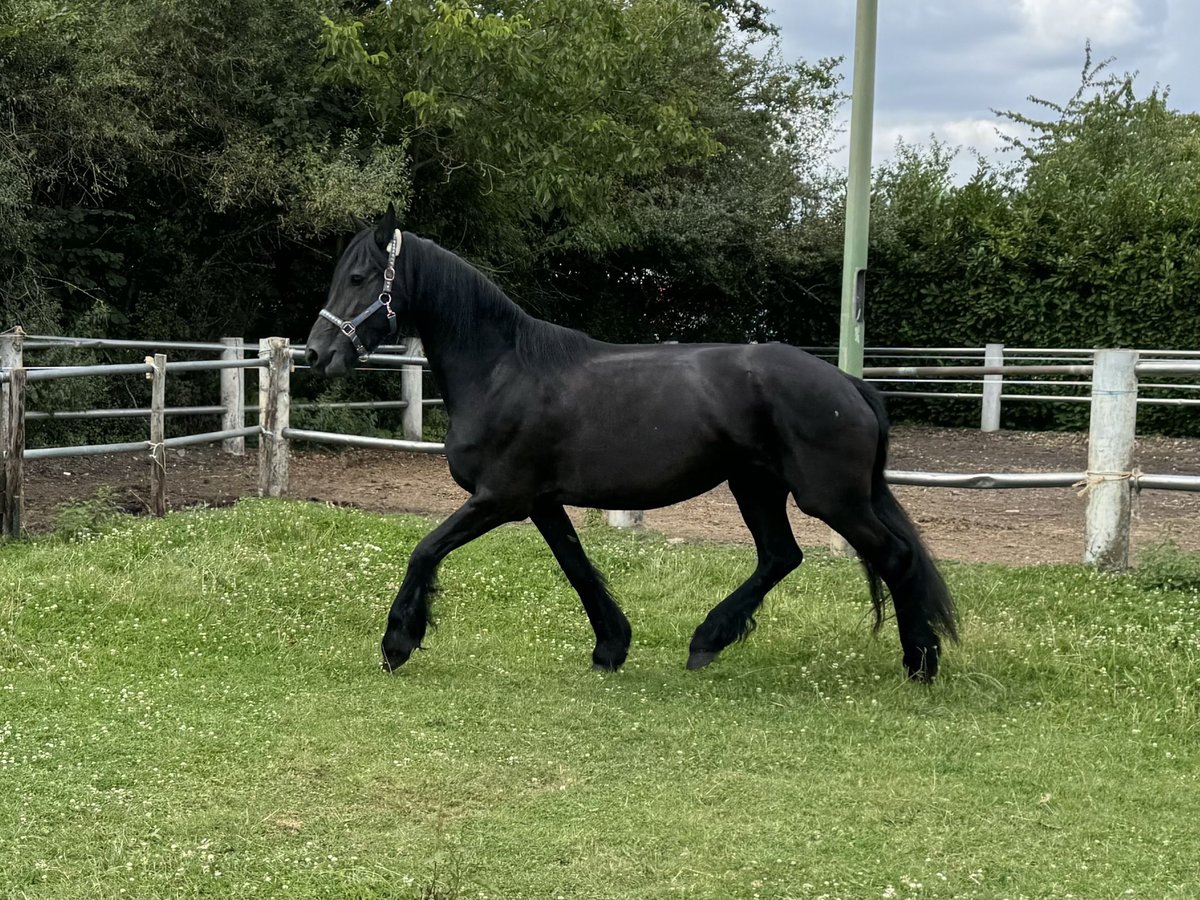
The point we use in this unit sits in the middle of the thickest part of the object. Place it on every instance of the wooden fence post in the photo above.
(14, 454)
(12, 434)
(411, 392)
(158, 434)
(11, 357)
(233, 397)
(1110, 459)
(275, 404)
(992, 386)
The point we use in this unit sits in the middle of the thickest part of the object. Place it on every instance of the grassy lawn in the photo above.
(193, 707)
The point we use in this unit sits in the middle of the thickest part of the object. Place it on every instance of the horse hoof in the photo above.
(698, 659)
(394, 659)
(607, 658)
(923, 674)
(922, 665)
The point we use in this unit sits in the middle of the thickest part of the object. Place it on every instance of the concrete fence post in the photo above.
(158, 434)
(275, 404)
(413, 421)
(993, 385)
(233, 397)
(1110, 459)
(626, 518)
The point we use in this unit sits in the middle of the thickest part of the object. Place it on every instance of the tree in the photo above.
(525, 112)
(1090, 239)
(185, 168)
(161, 156)
(618, 165)
(1110, 213)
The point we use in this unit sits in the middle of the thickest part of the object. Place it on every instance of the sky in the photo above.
(942, 66)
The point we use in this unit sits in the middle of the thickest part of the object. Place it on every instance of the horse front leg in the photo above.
(762, 500)
(608, 622)
(409, 615)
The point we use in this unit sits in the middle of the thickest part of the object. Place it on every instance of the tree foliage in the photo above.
(165, 163)
(603, 159)
(186, 168)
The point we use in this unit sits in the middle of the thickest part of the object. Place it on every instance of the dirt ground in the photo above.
(1011, 526)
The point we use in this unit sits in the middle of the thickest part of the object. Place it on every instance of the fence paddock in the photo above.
(274, 402)
(1110, 477)
(1110, 459)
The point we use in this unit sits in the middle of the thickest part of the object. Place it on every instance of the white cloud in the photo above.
(969, 136)
(1059, 24)
(944, 65)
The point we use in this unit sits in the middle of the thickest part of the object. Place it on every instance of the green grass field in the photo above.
(194, 707)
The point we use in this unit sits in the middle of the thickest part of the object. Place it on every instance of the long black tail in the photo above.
(928, 587)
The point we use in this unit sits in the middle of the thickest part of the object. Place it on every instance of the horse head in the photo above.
(363, 305)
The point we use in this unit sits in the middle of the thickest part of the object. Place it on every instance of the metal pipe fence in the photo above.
(953, 352)
(276, 359)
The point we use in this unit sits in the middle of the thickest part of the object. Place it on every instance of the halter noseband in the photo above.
(384, 301)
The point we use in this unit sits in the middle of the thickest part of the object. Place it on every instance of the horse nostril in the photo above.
(310, 356)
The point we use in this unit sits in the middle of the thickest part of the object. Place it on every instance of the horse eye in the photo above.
(356, 279)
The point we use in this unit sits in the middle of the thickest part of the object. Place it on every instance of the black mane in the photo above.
(465, 297)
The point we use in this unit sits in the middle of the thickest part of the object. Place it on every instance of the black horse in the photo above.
(542, 416)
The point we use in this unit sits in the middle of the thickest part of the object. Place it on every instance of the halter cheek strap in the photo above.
(350, 327)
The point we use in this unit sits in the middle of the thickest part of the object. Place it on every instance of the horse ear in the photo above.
(358, 223)
(386, 226)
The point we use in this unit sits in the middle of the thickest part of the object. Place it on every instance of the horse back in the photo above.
(656, 424)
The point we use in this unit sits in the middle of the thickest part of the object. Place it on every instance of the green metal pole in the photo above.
(858, 208)
(858, 191)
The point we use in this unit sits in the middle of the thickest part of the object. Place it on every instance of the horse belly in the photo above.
(653, 456)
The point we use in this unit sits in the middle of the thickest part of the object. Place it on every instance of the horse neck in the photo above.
(467, 326)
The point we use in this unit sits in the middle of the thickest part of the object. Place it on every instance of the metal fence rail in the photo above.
(46, 342)
(359, 440)
(143, 412)
(379, 359)
(186, 440)
(955, 352)
(51, 373)
(916, 381)
(987, 481)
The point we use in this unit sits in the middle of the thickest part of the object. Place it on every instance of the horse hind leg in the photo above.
(762, 500)
(890, 548)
